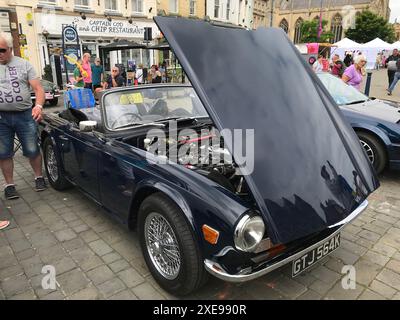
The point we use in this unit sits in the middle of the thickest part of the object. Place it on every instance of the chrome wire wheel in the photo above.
(51, 163)
(368, 150)
(162, 246)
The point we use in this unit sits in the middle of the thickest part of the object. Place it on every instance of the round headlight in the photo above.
(249, 233)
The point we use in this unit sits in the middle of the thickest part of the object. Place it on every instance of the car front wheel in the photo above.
(375, 151)
(169, 247)
(52, 166)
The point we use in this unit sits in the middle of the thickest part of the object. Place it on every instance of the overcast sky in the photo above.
(395, 10)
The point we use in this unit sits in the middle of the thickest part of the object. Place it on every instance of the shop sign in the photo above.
(95, 27)
(70, 35)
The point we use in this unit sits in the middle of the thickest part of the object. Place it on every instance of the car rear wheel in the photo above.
(52, 166)
(375, 151)
(169, 247)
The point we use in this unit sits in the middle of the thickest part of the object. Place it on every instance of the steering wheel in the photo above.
(131, 118)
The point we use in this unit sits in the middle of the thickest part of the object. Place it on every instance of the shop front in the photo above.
(94, 33)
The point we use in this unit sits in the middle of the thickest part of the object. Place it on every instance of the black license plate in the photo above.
(314, 255)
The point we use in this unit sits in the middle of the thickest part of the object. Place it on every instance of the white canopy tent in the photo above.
(347, 43)
(372, 48)
(396, 45)
(344, 46)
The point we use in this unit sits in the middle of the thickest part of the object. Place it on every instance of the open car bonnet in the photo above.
(310, 171)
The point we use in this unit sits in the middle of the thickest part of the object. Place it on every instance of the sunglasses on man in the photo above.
(3, 50)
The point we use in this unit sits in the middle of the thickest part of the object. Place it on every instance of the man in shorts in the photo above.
(17, 115)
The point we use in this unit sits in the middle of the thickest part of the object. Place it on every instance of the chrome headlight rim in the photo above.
(241, 229)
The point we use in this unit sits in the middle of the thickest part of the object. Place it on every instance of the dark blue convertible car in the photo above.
(376, 122)
(285, 175)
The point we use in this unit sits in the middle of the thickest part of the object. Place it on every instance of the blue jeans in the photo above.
(22, 124)
(395, 80)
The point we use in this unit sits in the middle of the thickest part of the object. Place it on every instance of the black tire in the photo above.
(191, 274)
(53, 102)
(52, 166)
(374, 149)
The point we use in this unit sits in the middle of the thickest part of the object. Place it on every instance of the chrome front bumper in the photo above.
(218, 271)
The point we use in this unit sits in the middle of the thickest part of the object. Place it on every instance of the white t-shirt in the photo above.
(317, 66)
(139, 75)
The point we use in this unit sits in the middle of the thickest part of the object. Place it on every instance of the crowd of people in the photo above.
(351, 69)
(92, 75)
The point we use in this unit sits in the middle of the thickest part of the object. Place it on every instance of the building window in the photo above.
(48, 2)
(82, 3)
(173, 6)
(4, 22)
(216, 9)
(228, 9)
(297, 30)
(192, 8)
(111, 5)
(337, 28)
(284, 25)
(137, 6)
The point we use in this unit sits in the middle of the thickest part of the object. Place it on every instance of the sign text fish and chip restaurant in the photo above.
(95, 27)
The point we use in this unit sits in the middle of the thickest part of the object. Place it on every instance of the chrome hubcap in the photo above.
(51, 165)
(162, 246)
(368, 150)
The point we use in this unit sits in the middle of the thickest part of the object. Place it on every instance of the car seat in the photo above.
(159, 108)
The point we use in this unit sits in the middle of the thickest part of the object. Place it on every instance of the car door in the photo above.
(119, 170)
(80, 152)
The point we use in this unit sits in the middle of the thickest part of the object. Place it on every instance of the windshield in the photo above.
(124, 109)
(341, 92)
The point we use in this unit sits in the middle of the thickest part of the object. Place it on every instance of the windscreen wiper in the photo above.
(180, 118)
(139, 125)
(356, 102)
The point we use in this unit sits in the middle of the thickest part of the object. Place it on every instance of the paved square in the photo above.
(97, 258)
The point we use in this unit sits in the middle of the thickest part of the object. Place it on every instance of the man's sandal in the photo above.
(4, 224)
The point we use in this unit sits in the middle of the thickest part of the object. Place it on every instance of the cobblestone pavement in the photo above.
(97, 258)
(379, 84)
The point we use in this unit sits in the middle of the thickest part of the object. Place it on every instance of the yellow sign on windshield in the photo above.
(133, 98)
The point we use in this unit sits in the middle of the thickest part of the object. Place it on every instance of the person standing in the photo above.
(318, 65)
(396, 79)
(115, 80)
(78, 77)
(139, 74)
(338, 66)
(97, 74)
(17, 115)
(155, 74)
(87, 79)
(378, 61)
(348, 60)
(390, 64)
(353, 75)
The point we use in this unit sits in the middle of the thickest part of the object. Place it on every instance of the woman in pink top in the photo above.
(88, 68)
(353, 75)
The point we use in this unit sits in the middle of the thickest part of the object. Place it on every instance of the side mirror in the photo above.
(87, 126)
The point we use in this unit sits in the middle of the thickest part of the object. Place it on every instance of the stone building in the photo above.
(289, 14)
